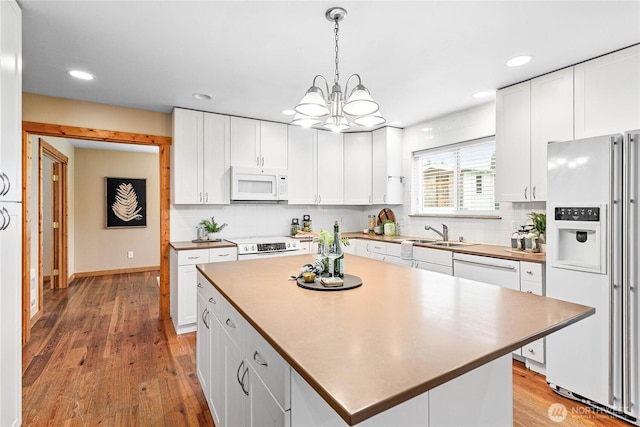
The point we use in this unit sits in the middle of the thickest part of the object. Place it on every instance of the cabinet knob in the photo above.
(200, 285)
(230, 323)
(530, 350)
(211, 300)
(529, 292)
(530, 273)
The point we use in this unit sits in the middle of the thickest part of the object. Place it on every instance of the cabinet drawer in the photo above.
(531, 271)
(377, 247)
(269, 365)
(204, 288)
(531, 287)
(433, 256)
(233, 323)
(195, 256)
(223, 254)
(534, 350)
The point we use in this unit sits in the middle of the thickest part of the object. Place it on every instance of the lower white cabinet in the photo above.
(183, 281)
(246, 382)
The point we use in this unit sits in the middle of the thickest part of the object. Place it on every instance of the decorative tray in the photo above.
(206, 241)
(350, 282)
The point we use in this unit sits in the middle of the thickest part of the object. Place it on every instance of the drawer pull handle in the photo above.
(529, 292)
(530, 350)
(223, 254)
(200, 285)
(482, 264)
(246, 392)
(238, 373)
(258, 360)
(530, 273)
(211, 300)
(230, 323)
(193, 257)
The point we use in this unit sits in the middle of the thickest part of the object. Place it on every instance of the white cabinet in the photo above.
(551, 120)
(528, 116)
(255, 143)
(438, 260)
(357, 168)
(183, 282)
(513, 133)
(330, 168)
(200, 158)
(10, 300)
(387, 166)
(607, 94)
(10, 213)
(316, 176)
(303, 167)
(246, 382)
(532, 281)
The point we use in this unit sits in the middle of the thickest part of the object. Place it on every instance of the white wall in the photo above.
(476, 122)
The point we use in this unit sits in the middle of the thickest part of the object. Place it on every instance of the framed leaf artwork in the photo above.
(126, 202)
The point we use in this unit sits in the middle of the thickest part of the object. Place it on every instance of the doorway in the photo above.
(52, 222)
(43, 129)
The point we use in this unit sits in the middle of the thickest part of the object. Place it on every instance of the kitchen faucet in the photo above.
(444, 234)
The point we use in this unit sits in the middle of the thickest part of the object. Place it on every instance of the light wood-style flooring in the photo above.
(100, 356)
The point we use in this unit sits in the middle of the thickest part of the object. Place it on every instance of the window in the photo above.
(455, 179)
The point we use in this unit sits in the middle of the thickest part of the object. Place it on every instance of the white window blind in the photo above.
(455, 179)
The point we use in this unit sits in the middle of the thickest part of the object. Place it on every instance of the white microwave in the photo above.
(258, 184)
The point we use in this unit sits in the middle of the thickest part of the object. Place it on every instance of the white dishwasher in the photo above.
(495, 271)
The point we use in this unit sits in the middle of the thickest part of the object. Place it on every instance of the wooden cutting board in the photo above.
(386, 214)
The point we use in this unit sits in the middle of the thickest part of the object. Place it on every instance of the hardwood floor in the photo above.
(101, 356)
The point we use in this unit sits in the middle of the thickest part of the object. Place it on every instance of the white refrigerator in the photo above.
(592, 259)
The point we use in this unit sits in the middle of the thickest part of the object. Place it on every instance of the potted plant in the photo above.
(539, 221)
(212, 227)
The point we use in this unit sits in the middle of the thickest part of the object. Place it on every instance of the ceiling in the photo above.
(419, 59)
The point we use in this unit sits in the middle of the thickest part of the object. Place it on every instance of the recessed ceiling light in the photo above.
(82, 75)
(201, 96)
(519, 60)
(395, 123)
(288, 112)
(481, 94)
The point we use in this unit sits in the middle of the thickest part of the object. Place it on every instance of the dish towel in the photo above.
(406, 249)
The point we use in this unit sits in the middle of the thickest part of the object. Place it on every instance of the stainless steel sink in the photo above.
(448, 244)
(423, 241)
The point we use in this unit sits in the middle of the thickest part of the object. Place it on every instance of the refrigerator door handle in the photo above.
(615, 149)
(627, 202)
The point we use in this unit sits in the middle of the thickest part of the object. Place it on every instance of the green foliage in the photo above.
(539, 221)
(212, 226)
(327, 237)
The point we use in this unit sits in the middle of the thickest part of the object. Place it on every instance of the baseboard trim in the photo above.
(118, 271)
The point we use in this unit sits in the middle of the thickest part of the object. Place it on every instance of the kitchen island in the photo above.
(390, 349)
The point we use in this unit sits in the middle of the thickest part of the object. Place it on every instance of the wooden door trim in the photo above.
(63, 131)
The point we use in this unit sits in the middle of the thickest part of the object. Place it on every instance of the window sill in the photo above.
(449, 215)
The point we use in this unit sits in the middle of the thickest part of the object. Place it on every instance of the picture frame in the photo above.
(126, 202)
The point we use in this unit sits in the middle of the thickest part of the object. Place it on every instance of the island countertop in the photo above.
(402, 333)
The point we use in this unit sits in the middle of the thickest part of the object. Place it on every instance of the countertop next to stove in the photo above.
(186, 246)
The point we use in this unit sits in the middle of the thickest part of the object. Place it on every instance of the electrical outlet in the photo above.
(130, 254)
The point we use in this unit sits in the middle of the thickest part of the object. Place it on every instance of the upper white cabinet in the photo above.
(255, 143)
(200, 156)
(315, 167)
(529, 116)
(357, 170)
(607, 94)
(330, 168)
(387, 166)
(551, 120)
(513, 141)
(303, 143)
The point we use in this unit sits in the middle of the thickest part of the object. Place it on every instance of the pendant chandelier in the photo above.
(318, 104)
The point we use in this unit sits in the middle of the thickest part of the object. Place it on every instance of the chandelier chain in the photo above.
(337, 74)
